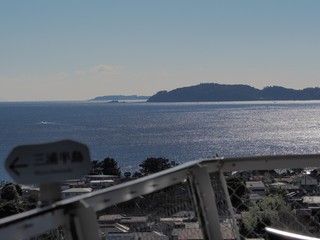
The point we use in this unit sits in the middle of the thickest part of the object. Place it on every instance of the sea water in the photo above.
(132, 132)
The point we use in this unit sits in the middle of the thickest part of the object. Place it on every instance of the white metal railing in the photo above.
(77, 215)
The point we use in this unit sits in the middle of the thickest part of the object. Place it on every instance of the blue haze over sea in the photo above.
(132, 132)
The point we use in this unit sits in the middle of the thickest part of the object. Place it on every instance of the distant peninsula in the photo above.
(212, 92)
(121, 98)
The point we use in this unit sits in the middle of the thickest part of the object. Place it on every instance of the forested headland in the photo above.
(210, 92)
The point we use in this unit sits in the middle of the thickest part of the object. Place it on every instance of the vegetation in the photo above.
(153, 165)
(11, 191)
(237, 191)
(271, 209)
(220, 92)
(11, 202)
(120, 98)
(107, 167)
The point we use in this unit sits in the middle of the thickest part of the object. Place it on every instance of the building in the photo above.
(28, 191)
(306, 182)
(257, 190)
(101, 181)
(74, 183)
(72, 192)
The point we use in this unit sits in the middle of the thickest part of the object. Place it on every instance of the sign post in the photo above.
(48, 164)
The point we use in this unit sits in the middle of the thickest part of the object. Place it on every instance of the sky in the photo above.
(77, 50)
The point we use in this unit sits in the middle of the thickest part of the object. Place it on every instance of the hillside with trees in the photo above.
(120, 98)
(210, 92)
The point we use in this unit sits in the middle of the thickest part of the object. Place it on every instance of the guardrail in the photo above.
(201, 186)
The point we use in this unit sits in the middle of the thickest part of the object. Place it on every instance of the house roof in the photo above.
(101, 176)
(111, 217)
(277, 184)
(102, 181)
(136, 235)
(173, 219)
(311, 199)
(306, 180)
(284, 179)
(189, 214)
(135, 219)
(29, 188)
(77, 190)
(255, 184)
(187, 233)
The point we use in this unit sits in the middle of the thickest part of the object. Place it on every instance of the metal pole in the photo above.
(205, 200)
(231, 211)
(49, 193)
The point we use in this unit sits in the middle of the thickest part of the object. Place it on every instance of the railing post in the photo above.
(228, 200)
(204, 198)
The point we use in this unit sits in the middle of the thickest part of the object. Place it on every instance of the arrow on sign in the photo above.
(13, 166)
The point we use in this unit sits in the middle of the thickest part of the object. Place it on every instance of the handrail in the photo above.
(262, 162)
(42, 219)
(279, 234)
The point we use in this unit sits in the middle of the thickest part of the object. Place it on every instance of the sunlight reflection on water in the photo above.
(180, 132)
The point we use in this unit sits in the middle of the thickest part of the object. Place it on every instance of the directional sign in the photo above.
(47, 163)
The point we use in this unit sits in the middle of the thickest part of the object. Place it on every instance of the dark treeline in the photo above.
(109, 166)
(12, 202)
(207, 92)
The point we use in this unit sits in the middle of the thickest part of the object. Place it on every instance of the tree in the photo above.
(8, 208)
(278, 191)
(110, 167)
(11, 191)
(11, 202)
(237, 190)
(270, 209)
(153, 165)
(95, 168)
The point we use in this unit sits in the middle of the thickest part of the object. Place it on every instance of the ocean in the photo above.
(132, 132)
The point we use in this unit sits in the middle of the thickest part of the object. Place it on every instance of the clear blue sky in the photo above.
(75, 50)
